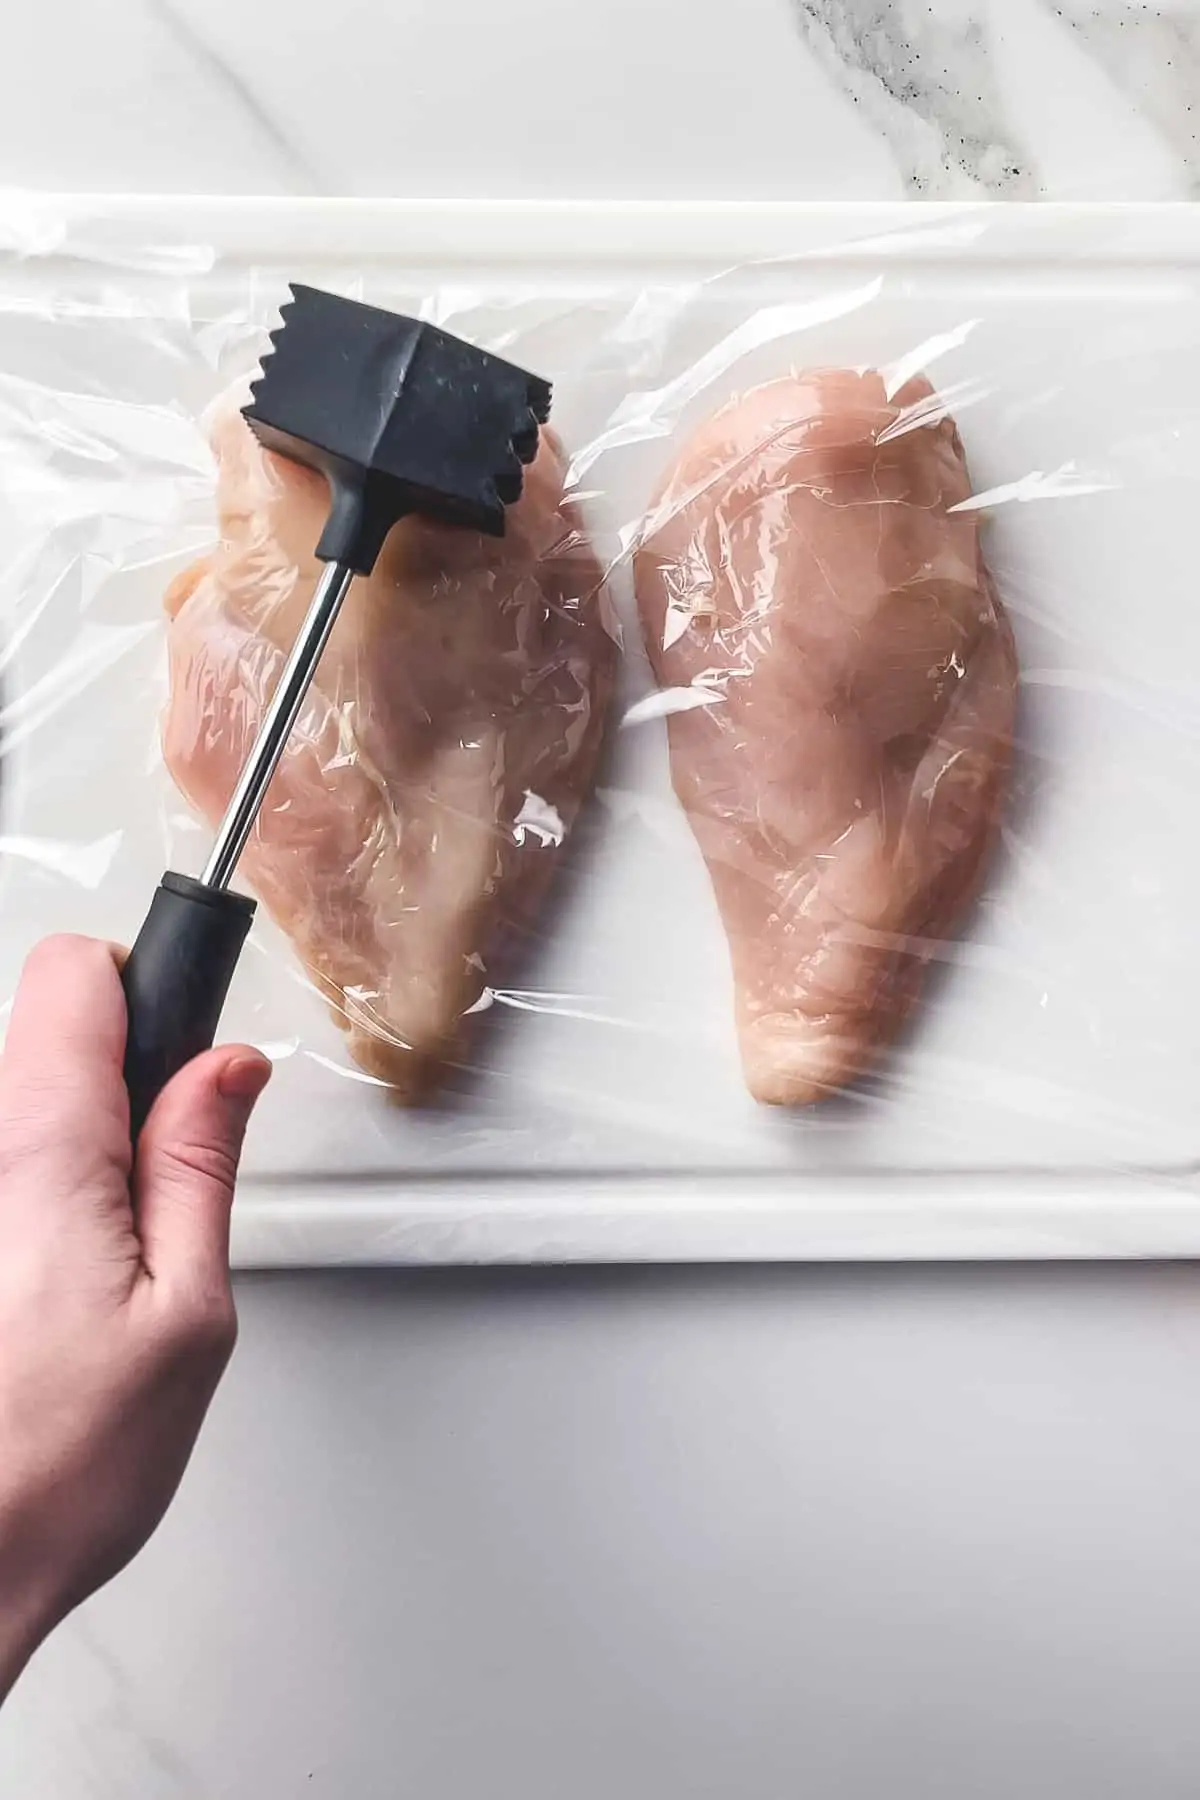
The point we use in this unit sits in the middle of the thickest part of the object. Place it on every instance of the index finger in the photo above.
(66, 1040)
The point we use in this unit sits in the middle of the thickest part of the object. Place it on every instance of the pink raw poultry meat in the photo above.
(803, 564)
(440, 758)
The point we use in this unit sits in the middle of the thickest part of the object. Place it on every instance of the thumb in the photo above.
(187, 1161)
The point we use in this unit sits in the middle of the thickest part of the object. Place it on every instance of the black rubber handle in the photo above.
(176, 980)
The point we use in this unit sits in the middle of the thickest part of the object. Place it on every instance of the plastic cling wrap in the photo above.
(824, 732)
(809, 573)
(454, 727)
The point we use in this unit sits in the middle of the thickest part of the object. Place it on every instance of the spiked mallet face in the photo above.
(401, 418)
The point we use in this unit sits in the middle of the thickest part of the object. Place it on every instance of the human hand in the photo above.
(116, 1312)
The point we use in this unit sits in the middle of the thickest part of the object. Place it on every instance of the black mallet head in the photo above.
(399, 416)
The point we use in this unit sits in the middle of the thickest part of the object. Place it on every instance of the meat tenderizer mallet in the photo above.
(401, 418)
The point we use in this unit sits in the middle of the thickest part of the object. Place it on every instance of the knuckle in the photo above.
(65, 948)
(188, 1163)
(215, 1328)
(49, 952)
(204, 1324)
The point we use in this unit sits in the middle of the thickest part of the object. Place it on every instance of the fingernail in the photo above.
(244, 1078)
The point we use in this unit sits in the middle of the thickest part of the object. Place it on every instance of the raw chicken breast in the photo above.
(440, 757)
(803, 564)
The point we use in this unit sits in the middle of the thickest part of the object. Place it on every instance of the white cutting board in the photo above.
(1047, 1103)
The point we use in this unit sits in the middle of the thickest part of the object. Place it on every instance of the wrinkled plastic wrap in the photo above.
(452, 731)
(715, 783)
(808, 572)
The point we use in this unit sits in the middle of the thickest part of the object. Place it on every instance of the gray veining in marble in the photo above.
(120, 1723)
(852, 99)
(300, 173)
(926, 81)
(1152, 55)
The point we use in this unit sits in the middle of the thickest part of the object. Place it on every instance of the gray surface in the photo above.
(845, 1535)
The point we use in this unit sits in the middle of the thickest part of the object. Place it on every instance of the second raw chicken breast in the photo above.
(804, 568)
(440, 758)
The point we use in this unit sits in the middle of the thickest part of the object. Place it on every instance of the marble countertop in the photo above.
(693, 1535)
(857, 99)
